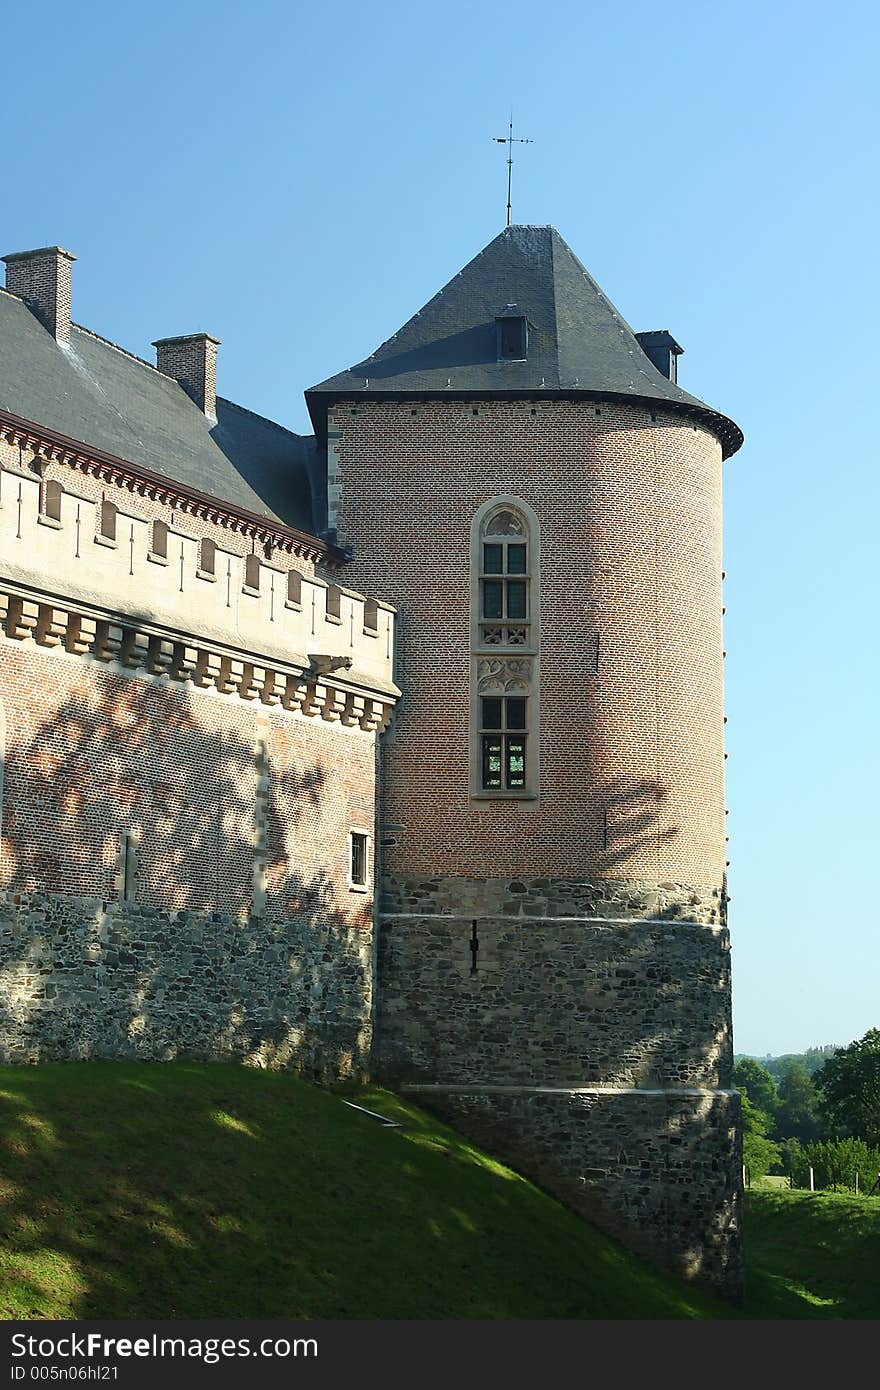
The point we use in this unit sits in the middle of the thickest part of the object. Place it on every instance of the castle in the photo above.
(396, 750)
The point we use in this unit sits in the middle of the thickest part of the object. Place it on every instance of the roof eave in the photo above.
(727, 431)
(269, 525)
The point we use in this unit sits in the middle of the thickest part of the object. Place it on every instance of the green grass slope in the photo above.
(186, 1191)
(812, 1255)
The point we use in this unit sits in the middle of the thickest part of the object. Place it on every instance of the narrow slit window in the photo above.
(358, 862)
(127, 867)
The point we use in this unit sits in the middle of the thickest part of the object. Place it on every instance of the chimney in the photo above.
(192, 361)
(42, 278)
(663, 351)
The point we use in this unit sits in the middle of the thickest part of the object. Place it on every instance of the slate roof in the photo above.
(103, 397)
(578, 342)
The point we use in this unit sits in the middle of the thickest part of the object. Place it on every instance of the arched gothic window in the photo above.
(505, 650)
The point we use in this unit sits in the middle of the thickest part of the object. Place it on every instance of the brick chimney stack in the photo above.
(42, 278)
(192, 360)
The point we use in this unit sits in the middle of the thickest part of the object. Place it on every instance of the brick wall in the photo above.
(242, 937)
(630, 513)
(91, 753)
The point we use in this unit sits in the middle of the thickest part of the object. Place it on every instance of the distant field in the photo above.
(189, 1191)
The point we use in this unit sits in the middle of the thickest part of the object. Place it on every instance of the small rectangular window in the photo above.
(358, 870)
(513, 338)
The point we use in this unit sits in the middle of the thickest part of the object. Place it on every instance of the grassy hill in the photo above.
(812, 1255)
(186, 1191)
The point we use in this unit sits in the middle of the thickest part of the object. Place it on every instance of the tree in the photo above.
(849, 1089)
(760, 1154)
(757, 1083)
(835, 1164)
(798, 1113)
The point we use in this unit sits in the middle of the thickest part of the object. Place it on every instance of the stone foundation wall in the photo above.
(550, 897)
(83, 978)
(554, 1002)
(660, 1170)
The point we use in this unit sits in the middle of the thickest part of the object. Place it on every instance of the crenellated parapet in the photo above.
(99, 582)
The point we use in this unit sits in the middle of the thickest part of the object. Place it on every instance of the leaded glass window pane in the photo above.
(516, 713)
(491, 712)
(516, 598)
(516, 763)
(492, 754)
(516, 559)
(493, 559)
(493, 590)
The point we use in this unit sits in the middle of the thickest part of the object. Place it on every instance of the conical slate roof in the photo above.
(578, 342)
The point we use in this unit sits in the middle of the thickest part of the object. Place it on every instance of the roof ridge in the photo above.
(142, 362)
(553, 292)
(117, 347)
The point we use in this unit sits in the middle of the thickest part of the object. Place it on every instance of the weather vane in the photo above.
(510, 140)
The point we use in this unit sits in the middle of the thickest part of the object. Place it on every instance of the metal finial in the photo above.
(510, 140)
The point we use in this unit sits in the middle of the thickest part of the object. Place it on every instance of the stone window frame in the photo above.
(159, 534)
(108, 520)
(207, 568)
(51, 501)
(252, 571)
(366, 836)
(505, 668)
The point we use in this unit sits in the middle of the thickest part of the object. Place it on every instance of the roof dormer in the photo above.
(512, 335)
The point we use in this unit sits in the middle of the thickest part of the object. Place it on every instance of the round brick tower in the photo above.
(523, 478)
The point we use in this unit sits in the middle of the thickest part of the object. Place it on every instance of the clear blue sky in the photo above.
(299, 181)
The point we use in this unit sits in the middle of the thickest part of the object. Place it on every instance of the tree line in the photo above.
(819, 1110)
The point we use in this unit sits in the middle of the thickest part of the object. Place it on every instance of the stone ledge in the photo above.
(136, 649)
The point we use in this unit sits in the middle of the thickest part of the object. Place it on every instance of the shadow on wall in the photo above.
(151, 909)
(632, 822)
